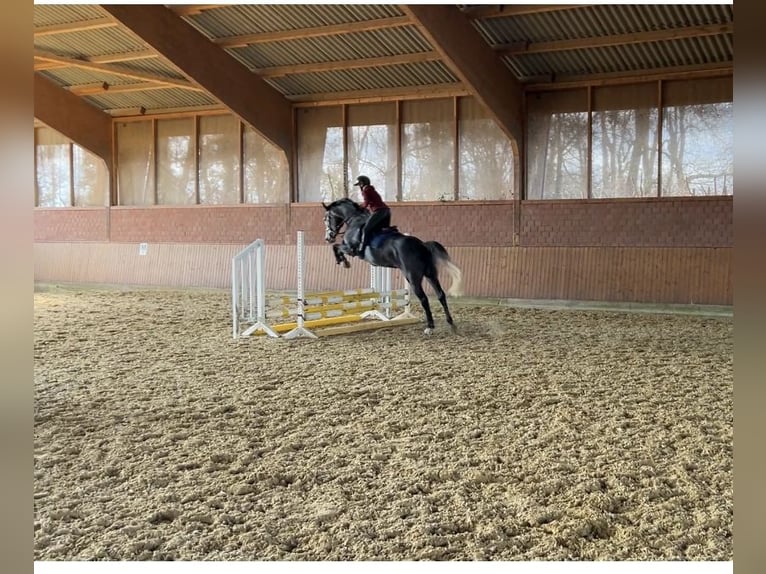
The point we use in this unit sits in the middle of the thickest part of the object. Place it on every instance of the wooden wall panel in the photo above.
(650, 275)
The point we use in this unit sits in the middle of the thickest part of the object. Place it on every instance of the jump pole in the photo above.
(300, 330)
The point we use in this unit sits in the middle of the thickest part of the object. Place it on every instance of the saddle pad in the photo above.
(380, 236)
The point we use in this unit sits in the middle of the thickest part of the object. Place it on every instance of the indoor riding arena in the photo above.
(210, 385)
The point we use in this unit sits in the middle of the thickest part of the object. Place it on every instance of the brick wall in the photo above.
(71, 224)
(199, 224)
(652, 250)
(688, 222)
(682, 222)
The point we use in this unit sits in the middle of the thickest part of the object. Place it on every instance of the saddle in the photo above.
(381, 234)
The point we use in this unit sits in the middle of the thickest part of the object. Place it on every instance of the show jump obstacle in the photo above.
(313, 314)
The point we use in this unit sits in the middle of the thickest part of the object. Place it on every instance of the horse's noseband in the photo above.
(331, 232)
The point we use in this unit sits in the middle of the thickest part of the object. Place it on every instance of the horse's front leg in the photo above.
(339, 255)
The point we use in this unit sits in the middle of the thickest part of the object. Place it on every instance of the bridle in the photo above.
(333, 231)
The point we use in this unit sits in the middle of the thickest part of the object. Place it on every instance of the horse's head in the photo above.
(333, 221)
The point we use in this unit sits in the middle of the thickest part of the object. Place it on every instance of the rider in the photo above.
(381, 213)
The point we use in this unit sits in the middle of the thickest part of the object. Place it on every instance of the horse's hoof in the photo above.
(346, 264)
(428, 330)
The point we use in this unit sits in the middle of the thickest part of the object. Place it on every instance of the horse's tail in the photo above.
(443, 261)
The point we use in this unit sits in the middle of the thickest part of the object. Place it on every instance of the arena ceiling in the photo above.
(132, 60)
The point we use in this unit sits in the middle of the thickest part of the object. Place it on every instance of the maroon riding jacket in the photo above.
(372, 200)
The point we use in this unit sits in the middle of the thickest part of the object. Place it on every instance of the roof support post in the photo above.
(73, 117)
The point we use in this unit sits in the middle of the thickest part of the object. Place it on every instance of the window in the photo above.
(486, 155)
(428, 150)
(135, 163)
(625, 141)
(557, 148)
(219, 160)
(372, 146)
(692, 153)
(266, 170)
(68, 175)
(54, 169)
(91, 178)
(320, 154)
(176, 162)
(698, 138)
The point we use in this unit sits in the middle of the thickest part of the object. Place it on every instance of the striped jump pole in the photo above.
(300, 329)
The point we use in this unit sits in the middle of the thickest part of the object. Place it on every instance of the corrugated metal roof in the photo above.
(549, 26)
(53, 14)
(156, 66)
(253, 18)
(601, 20)
(79, 76)
(152, 100)
(628, 58)
(86, 43)
(420, 74)
(375, 43)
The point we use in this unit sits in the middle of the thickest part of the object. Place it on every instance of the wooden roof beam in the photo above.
(105, 59)
(469, 56)
(123, 57)
(80, 26)
(278, 71)
(632, 77)
(615, 40)
(105, 87)
(115, 70)
(244, 93)
(314, 32)
(381, 95)
(194, 9)
(505, 11)
(73, 117)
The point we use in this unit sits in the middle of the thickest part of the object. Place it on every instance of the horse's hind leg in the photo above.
(434, 281)
(417, 287)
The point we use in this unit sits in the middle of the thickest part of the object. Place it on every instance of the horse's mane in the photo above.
(346, 201)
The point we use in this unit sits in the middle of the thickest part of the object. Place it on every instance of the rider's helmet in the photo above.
(362, 181)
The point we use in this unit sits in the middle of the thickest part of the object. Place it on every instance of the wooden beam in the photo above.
(116, 70)
(42, 65)
(278, 71)
(380, 95)
(193, 9)
(71, 116)
(226, 79)
(506, 11)
(88, 89)
(80, 26)
(105, 59)
(634, 76)
(104, 87)
(123, 57)
(313, 32)
(469, 56)
(128, 114)
(615, 40)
